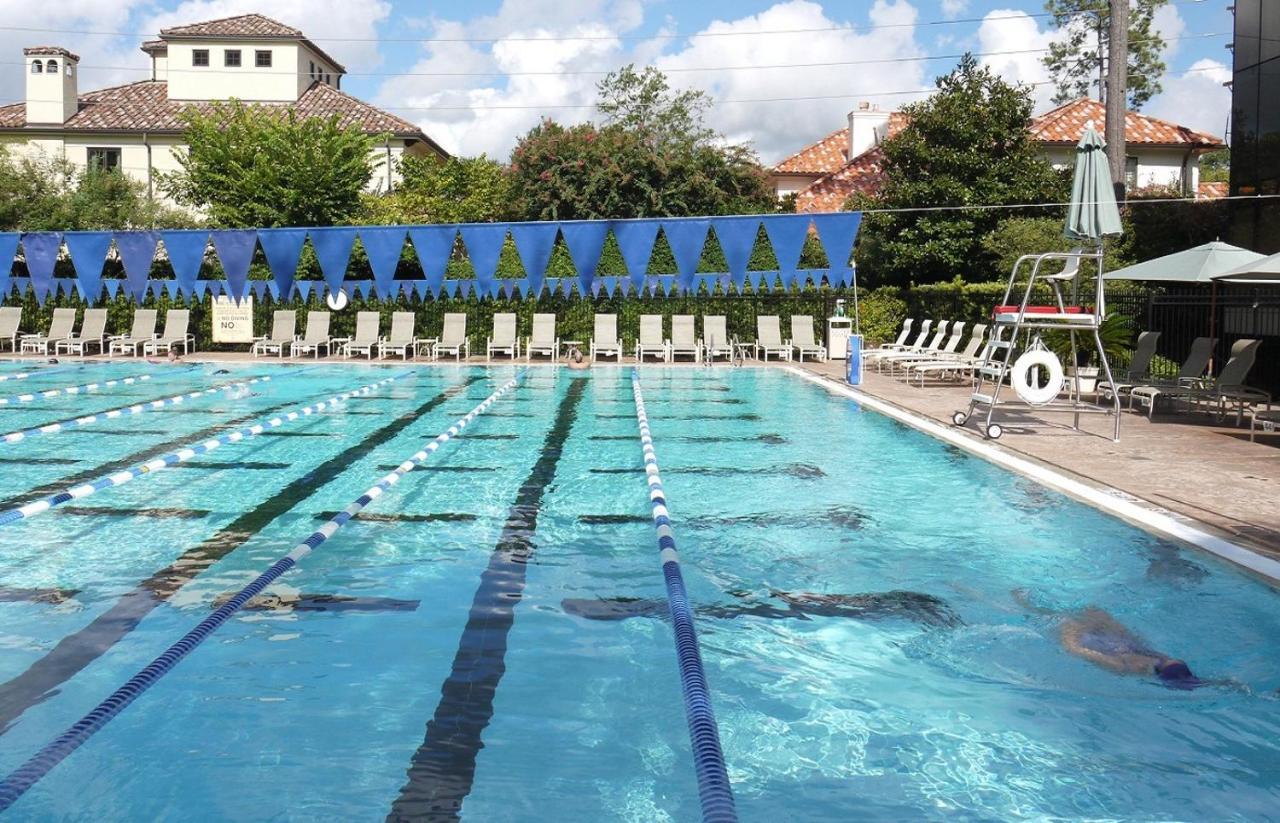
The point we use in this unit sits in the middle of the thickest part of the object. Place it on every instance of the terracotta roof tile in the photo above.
(42, 50)
(1211, 191)
(1066, 123)
(242, 25)
(864, 174)
(146, 106)
(823, 157)
(154, 45)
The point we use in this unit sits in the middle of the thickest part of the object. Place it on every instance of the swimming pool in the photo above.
(945, 697)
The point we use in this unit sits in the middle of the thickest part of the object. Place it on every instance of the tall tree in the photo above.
(966, 145)
(1077, 60)
(252, 166)
(455, 190)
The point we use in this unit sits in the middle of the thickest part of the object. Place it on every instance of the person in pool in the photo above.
(171, 359)
(576, 361)
(1094, 635)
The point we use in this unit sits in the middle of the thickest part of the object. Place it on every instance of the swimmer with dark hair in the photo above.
(222, 371)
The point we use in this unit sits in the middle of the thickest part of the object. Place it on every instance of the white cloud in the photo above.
(1195, 98)
(1170, 26)
(952, 9)
(1010, 30)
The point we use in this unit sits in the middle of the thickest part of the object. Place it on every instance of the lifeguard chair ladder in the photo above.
(1012, 320)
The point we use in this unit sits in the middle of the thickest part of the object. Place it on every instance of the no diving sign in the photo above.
(232, 323)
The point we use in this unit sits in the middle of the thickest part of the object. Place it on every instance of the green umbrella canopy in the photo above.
(1093, 212)
(1199, 265)
(1262, 271)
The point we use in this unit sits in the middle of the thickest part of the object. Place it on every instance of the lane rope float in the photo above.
(86, 387)
(180, 455)
(22, 375)
(714, 791)
(29, 773)
(123, 411)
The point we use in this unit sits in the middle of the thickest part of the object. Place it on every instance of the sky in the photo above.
(477, 74)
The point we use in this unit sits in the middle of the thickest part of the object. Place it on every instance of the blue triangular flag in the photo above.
(585, 239)
(553, 285)
(88, 254)
(737, 236)
(837, 231)
(484, 246)
(610, 285)
(423, 288)
(666, 284)
(137, 253)
(406, 289)
(186, 255)
(8, 249)
(534, 242)
(259, 288)
(273, 290)
(787, 233)
(173, 288)
(686, 237)
(41, 251)
(635, 241)
(523, 287)
(333, 251)
(434, 247)
(597, 287)
(304, 288)
(788, 277)
(113, 287)
(200, 288)
(509, 288)
(382, 245)
(282, 248)
(235, 250)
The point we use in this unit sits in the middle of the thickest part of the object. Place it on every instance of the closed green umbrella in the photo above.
(1093, 213)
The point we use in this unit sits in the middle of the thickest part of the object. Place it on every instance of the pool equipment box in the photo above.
(232, 323)
(854, 371)
(839, 330)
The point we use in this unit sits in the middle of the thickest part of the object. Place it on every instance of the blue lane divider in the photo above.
(179, 455)
(87, 387)
(124, 411)
(22, 375)
(714, 790)
(42, 762)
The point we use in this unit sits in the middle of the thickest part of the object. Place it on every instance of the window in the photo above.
(104, 159)
(51, 67)
(199, 57)
(231, 58)
(327, 81)
(37, 67)
(1131, 172)
(262, 59)
(313, 70)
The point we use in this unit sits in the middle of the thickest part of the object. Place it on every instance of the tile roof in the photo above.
(145, 106)
(828, 193)
(1211, 191)
(154, 45)
(1066, 123)
(242, 25)
(43, 50)
(823, 157)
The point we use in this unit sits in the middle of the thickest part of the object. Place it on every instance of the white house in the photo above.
(824, 174)
(137, 128)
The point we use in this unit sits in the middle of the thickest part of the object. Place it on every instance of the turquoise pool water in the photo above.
(774, 486)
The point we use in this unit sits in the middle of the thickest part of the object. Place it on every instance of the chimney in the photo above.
(52, 95)
(867, 127)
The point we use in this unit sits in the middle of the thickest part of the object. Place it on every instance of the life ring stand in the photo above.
(1021, 372)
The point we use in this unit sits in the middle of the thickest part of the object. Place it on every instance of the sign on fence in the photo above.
(232, 323)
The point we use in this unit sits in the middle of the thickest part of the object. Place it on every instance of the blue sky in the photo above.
(476, 75)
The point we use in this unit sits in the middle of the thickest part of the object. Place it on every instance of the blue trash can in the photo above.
(854, 373)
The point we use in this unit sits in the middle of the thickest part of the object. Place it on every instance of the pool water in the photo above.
(429, 692)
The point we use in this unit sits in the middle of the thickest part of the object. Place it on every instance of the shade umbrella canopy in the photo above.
(1093, 213)
(1263, 271)
(1198, 265)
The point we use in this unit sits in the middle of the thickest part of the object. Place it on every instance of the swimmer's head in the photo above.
(1177, 674)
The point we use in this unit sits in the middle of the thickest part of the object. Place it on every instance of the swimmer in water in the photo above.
(222, 371)
(576, 361)
(1094, 635)
(171, 359)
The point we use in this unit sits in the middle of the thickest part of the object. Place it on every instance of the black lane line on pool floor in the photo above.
(768, 439)
(438, 517)
(442, 770)
(105, 511)
(79, 649)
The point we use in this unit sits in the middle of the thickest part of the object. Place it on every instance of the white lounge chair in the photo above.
(802, 338)
(929, 349)
(143, 331)
(543, 339)
(10, 319)
(902, 336)
(651, 341)
(769, 338)
(93, 332)
(504, 340)
(605, 339)
(945, 351)
(684, 340)
(401, 340)
(175, 334)
(454, 338)
(284, 326)
(60, 328)
(366, 338)
(715, 338)
(316, 338)
(917, 343)
(953, 365)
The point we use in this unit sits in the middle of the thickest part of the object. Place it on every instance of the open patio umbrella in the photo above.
(1093, 213)
(1262, 271)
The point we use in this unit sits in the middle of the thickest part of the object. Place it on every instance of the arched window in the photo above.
(37, 67)
(51, 67)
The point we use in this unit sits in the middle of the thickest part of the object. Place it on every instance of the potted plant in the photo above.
(1115, 335)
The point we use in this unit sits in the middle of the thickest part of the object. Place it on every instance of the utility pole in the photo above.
(1117, 96)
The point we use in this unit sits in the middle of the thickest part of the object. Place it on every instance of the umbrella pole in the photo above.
(1213, 320)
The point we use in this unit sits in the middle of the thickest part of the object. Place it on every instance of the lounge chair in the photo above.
(316, 338)
(10, 319)
(544, 339)
(143, 331)
(175, 334)
(943, 366)
(1229, 389)
(454, 338)
(1139, 370)
(504, 340)
(684, 340)
(929, 350)
(60, 328)
(715, 339)
(401, 340)
(1192, 392)
(802, 338)
(93, 332)
(916, 343)
(605, 338)
(769, 338)
(1193, 369)
(651, 340)
(284, 326)
(943, 352)
(366, 339)
(902, 336)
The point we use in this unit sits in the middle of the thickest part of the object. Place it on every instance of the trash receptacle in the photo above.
(854, 373)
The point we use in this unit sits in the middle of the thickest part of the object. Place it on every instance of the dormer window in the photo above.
(51, 67)
(231, 58)
(262, 59)
(199, 57)
(327, 80)
(37, 67)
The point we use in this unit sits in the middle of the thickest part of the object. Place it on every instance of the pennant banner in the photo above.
(333, 250)
(635, 241)
(585, 239)
(534, 242)
(737, 236)
(687, 237)
(8, 250)
(259, 288)
(304, 288)
(186, 254)
(113, 287)
(41, 251)
(382, 245)
(787, 233)
(88, 250)
(484, 246)
(283, 249)
(235, 250)
(137, 253)
(434, 247)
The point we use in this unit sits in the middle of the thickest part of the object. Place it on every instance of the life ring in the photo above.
(337, 300)
(1023, 367)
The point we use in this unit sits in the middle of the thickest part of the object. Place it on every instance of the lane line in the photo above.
(85, 387)
(24, 777)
